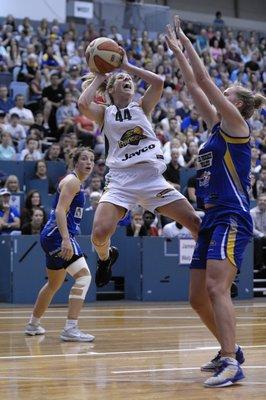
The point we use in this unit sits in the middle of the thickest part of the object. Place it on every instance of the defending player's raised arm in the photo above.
(230, 114)
(200, 99)
(86, 103)
(154, 91)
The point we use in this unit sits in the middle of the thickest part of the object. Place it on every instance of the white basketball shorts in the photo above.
(139, 185)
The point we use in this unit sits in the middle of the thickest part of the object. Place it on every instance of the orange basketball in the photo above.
(103, 55)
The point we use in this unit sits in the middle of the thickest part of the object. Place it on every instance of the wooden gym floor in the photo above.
(142, 351)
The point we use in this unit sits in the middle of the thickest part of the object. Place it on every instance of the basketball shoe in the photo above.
(229, 372)
(33, 330)
(212, 365)
(74, 334)
(104, 268)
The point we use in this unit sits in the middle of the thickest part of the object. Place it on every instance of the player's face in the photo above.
(85, 163)
(230, 94)
(123, 84)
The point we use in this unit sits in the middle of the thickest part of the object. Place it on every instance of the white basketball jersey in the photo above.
(130, 137)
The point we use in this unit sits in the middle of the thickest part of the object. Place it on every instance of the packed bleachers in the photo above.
(41, 69)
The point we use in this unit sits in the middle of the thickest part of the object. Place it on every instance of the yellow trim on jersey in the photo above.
(230, 165)
(234, 140)
(230, 246)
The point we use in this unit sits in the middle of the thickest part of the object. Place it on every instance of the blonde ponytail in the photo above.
(259, 100)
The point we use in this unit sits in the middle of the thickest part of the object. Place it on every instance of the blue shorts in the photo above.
(223, 234)
(52, 246)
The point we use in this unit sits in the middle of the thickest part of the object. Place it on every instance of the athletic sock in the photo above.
(34, 320)
(71, 323)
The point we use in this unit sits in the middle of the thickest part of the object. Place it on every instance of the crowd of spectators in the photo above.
(44, 124)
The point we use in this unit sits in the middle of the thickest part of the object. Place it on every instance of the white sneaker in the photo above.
(75, 335)
(33, 330)
(229, 373)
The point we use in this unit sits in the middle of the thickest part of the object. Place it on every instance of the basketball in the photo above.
(103, 55)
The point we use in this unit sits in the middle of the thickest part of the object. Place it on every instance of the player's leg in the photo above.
(220, 275)
(182, 212)
(79, 270)
(106, 218)
(200, 301)
(45, 296)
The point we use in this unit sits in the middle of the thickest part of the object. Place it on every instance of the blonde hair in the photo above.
(104, 88)
(251, 101)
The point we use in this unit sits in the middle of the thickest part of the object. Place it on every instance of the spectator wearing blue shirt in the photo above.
(6, 103)
(9, 216)
(191, 122)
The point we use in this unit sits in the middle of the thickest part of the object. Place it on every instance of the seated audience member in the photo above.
(192, 155)
(12, 185)
(25, 115)
(6, 103)
(66, 113)
(174, 229)
(39, 124)
(100, 169)
(7, 151)
(190, 191)
(261, 182)
(41, 173)
(53, 153)
(36, 224)
(3, 121)
(253, 189)
(172, 174)
(16, 130)
(136, 228)
(86, 130)
(33, 200)
(149, 218)
(32, 149)
(192, 121)
(258, 215)
(9, 217)
(95, 185)
(94, 201)
(53, 96)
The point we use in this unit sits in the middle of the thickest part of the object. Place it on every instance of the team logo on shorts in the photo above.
(164, 192)
(132, 136)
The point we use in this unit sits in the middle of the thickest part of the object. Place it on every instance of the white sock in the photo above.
(34, 320)
(71, 323)
(236, 347)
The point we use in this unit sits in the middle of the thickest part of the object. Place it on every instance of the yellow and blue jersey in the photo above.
(223, 171)
(223, 181)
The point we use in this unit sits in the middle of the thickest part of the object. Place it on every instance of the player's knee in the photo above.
(79, 270)
(214, 289)
(80, 287)
(100, 234)
(195, 302)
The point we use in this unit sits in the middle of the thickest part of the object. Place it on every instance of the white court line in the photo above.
(137, 371)
(141, 328)
(114, 353)
(107, 379)
(174, 308)
(126, 317)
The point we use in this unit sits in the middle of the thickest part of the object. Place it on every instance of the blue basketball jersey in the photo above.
(74, 214)
(223, 171)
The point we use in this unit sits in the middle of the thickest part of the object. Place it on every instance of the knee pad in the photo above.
(82, 283)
